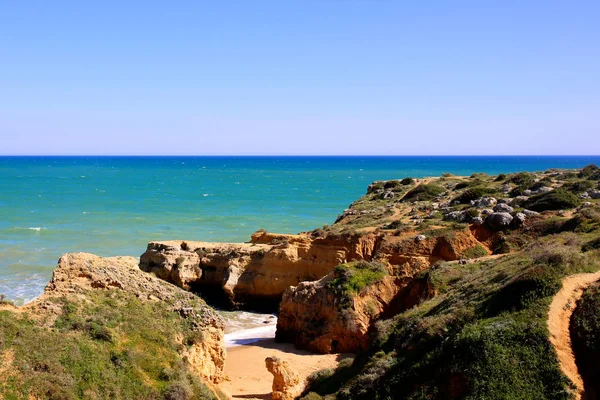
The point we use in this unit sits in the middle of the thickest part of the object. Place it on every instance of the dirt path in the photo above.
(559, 318)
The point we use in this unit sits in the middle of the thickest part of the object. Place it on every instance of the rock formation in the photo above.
(253, 274)
(286, 383)
(314, 317)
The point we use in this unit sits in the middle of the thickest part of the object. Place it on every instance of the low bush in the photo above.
(588, 171)
(579, 186)
(473, 194)
(407, 181)
(558, 199)
(500, 178)
(591, 245)
(423, 192)
(522, 179)
(391, 184)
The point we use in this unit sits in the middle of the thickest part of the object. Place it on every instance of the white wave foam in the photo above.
(252, 335)
(35, 228)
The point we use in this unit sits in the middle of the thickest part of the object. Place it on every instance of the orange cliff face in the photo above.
(255, 274)
(314, 317)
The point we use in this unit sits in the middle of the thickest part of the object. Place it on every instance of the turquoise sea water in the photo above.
(115, 205)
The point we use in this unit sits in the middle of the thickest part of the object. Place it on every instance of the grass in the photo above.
(483, 336)
(351, 278)
(112, 346)
(475, 252)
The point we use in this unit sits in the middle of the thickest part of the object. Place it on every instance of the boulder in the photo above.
(484, 202)
(543, 189)
(452, 216)
(518, 220)
(477, 221)
(594, 194)
(286, 382)
(499, 220)
(503, 207)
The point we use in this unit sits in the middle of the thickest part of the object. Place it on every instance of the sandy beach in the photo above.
(249, 378)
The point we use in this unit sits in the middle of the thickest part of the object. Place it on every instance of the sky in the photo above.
(299, 77)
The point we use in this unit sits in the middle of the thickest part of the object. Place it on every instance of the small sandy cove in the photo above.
(249, 378)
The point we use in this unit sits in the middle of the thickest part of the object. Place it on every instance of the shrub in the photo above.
(473, 194)
(588, 170)
(500, 178)
(558, 199)
(391, 184)
(579, 186)
(423, 192)
(595, 176)
(522, 179)
(591, 245)
(407, 181)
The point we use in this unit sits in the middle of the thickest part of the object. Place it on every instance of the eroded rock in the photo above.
(286, 382)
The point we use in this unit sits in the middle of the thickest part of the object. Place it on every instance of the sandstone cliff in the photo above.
(254, 274)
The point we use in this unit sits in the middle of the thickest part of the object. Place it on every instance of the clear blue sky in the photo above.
(300, 77)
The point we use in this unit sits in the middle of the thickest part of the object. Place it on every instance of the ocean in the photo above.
(115, 205)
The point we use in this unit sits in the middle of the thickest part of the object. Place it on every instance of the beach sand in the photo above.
(249, 378)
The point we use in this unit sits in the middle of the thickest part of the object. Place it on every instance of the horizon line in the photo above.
(299, 155)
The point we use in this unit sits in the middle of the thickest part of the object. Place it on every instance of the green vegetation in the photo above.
(474, 194)
(579, 186)
(483, 336)
(407, 181)
(558, 199)
(424, 192)
(110, 346)
(475, 252)
(522, 179)
(588, 171)
(585, 335)
(351, 278)
(591, 245)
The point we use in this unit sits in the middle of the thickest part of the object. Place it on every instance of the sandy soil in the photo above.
(249, 378)
(559, 318)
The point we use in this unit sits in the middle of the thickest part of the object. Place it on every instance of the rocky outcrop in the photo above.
(80, 273)
(253, 274)
(314, 317)
(286, 383)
